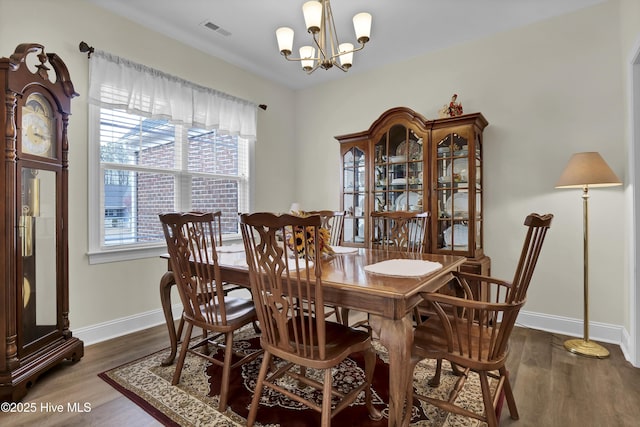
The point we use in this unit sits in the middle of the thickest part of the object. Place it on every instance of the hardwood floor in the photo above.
(552, 386)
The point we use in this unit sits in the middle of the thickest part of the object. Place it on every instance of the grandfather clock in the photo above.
(34, 289)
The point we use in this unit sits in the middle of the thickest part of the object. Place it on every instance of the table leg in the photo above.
(166, 283)
(397, 337)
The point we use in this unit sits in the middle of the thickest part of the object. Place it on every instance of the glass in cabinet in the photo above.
(354, 191)
(398, 165)
(457, 187)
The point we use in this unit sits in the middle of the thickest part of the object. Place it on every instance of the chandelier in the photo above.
(319, 21)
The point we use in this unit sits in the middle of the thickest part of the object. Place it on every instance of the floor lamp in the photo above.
(587, 170)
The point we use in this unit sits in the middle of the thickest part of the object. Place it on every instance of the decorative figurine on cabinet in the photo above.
(452, 110)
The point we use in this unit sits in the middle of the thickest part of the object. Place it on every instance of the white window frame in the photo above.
(98, 252)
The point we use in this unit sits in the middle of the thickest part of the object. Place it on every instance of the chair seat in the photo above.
(430, 341)
(240, 311)
(340, 342)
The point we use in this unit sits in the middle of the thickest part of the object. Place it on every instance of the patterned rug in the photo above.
(194, 400)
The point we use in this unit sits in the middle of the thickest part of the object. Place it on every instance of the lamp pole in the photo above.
(584, 347)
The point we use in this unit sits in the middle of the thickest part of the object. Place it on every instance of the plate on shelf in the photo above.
(459, 234)
(415, 150)
(397, 159)
(457, 206)
(401, 201)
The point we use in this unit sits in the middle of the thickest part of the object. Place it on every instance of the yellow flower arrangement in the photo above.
(296, 240)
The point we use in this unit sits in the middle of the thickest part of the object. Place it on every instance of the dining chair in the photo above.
(228, 287)
(191, 241)
(332, 221)
(403, 231)
(289, 297)
(399, 231)
(474, 335)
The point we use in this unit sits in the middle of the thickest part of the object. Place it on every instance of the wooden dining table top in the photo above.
(349, 285)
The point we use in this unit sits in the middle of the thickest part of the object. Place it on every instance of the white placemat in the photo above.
(403, 267)
(234, 247)
(344, 249)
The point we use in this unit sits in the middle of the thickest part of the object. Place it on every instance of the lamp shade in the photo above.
(587, 169)
(362, 26)
(307, 54)
(312, 11)
(284, 35)
(346, 59)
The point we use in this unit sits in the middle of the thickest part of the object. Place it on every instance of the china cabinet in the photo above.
(34, 322)
(405, 162)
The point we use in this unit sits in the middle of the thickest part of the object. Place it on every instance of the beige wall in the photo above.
(548, 90)
(107, 292)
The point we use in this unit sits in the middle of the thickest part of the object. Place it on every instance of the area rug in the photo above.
(194, 401)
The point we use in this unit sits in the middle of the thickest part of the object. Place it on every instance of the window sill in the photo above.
(125, 254)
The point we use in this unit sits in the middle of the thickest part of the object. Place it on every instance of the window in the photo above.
(143, 164)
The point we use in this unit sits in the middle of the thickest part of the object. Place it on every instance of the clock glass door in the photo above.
(38, 241)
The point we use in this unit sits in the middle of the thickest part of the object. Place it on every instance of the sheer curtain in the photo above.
(119, 83)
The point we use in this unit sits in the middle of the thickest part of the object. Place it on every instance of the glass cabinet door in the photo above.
(458, 193)
(354, 191)
(38, 249)
(398, 171)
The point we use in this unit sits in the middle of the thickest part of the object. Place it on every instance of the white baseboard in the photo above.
(603, 332)
(123, 326)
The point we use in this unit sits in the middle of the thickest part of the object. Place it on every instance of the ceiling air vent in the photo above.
(213, 27)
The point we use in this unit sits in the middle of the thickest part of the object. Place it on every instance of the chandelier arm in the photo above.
(337, 64)
(348, 51)
(315, 67)
(333, 34)
(322, 55)
(293, 59)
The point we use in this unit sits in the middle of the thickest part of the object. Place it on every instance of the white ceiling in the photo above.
(401, 28)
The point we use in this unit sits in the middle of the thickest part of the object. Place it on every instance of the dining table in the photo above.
(387, 298)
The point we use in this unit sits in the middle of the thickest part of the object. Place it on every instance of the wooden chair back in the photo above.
(217, 219)
(286, 287)
(399, 231)
(332, 221)
(191, 242)
(538, 225)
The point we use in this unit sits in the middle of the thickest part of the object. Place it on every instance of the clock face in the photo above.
(38, 126)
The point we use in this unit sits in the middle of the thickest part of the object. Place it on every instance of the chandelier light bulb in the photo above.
(346, 59)
(307, 54)
(362, 26)
(312, 11)
(285, 40)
